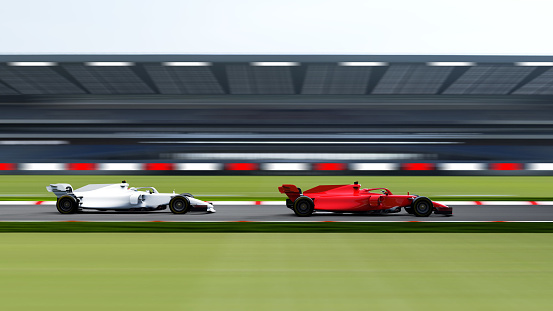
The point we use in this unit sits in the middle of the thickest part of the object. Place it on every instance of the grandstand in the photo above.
(59, 75)
(276, 114)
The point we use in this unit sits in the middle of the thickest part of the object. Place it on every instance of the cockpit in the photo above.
(150, 190)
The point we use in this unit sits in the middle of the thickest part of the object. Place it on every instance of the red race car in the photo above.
(353, 199)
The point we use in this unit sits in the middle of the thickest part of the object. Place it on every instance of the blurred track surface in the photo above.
(275, 213)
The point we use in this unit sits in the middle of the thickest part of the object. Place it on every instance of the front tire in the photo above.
(66, 205)
(303, 206)
(422, 207)
(179, 205)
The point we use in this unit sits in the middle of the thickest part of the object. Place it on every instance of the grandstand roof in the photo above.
(62, 75)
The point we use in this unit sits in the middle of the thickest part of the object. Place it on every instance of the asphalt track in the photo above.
(278, 213)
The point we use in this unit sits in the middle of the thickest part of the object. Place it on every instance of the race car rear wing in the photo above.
(291, 191)
(60, 189)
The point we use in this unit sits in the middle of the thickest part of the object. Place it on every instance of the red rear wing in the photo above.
(288, 189)
(291, 191)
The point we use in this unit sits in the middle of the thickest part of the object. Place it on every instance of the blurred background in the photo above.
(276, 88)
(276, 114)
(233, 99)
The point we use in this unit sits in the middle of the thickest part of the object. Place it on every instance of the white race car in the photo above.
(120, 197)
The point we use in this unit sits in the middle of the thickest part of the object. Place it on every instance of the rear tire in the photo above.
(66, 205)
(422, 207)
(179, 205)
(303, 206)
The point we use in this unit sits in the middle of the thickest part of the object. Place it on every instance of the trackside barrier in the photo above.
(269, 168)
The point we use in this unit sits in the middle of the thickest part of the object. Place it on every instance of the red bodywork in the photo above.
(351, 198)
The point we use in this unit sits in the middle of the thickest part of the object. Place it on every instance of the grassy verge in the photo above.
(291, 227)
(32, 187)
(268, 271)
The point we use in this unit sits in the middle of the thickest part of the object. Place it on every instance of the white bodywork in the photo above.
(120, 196)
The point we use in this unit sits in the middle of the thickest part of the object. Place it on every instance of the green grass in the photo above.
(32, 187)
(276, 271)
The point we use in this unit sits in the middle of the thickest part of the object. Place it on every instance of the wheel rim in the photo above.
(423, 207)
(66, 205)
(303, 207)
(179, 205)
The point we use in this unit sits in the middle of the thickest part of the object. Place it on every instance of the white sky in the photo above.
(502, 27)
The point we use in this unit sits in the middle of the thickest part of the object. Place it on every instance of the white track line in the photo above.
(507, 203)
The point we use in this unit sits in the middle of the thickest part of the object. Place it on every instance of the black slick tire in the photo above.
(66, 205)
(303, 206)
(422, 207)
(179, 205)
